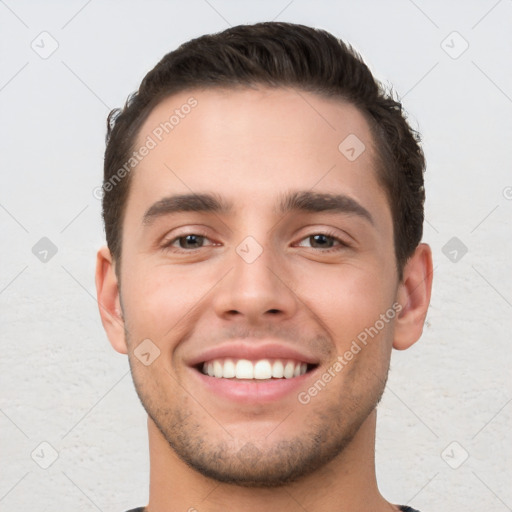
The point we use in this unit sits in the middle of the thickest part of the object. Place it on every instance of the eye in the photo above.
(187, 242)
(326, 241)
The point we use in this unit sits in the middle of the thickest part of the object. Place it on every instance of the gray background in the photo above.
(62, 384)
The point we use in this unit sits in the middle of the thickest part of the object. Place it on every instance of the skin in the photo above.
(251, 147)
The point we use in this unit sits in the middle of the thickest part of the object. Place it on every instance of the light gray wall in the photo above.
(62, 383)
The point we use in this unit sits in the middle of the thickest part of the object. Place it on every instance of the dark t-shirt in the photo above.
(403, 508)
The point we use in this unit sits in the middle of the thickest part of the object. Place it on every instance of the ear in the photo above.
(414, 296)
(107, 291)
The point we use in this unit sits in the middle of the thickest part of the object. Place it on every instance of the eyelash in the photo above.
(328, 234)
(341, 243)
(168, 245)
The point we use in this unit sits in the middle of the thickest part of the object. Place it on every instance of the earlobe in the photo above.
(414, 297)
(107, 292)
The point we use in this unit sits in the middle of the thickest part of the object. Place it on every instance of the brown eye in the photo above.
(191, 241)
(321, 241)
(324, 241)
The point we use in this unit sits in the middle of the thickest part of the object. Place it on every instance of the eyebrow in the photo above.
(301, 201)
(186, 203)
(322, 202)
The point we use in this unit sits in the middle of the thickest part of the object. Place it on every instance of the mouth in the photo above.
(251, 373)
(254, 370)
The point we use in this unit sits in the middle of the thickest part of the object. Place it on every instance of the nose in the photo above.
(256, 290)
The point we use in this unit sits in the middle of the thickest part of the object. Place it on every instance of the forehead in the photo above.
(248, 143)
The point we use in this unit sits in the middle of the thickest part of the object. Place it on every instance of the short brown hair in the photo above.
(277, 54)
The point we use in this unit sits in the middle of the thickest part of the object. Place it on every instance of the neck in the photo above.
(347, 483)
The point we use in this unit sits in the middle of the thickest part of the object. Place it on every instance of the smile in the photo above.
(253, 372)
(262, 369)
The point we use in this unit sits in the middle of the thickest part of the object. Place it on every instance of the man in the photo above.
(263, 209)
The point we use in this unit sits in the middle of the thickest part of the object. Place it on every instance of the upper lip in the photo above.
(253, 350)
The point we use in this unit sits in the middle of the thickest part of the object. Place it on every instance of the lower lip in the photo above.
(254, 391)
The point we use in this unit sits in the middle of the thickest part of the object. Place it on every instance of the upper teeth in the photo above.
(261, 369)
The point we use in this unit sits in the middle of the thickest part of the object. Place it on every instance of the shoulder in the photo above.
(404, 508)
(139, 509)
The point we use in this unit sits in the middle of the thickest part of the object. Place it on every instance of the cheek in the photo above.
(157, 300)
(350, 301)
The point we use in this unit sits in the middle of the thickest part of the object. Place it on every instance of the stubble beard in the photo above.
(250, 463)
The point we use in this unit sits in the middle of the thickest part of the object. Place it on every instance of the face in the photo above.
(256, 253)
